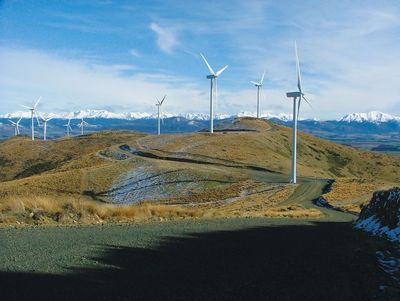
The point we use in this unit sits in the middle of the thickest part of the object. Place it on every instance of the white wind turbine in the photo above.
(33, 115)
(213, 90)
(159, 104)
(68, 126)
(45, 120)
(259, 89)
(82, 124)
(16, 126)
(297, 96)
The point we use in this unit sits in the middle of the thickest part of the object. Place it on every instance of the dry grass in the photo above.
(58, 180)
(20, 157)
(351, 193)
(47, 210)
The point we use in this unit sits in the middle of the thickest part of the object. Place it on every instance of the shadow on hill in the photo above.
(325, 261)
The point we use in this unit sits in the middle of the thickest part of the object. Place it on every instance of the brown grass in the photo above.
(46, 182)
(351, 193)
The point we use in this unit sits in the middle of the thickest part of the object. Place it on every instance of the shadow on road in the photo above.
(324, 261)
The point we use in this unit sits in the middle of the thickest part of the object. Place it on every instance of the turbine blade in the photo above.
(19, 119)
(37, 118)
(299, 86)
(298, 109)
(307, 101)
(26, 107)
(220, 71)
(254, 83)
(37, 102)
(262, 78)
(208, 65)
(12, 122)
(162, 100)
(40, 115)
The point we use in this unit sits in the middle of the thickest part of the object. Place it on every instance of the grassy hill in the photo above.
(241, 170)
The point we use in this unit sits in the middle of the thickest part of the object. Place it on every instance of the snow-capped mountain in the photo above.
(104, 114)
(373, 116)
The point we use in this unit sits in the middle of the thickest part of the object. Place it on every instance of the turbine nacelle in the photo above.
(294, 94)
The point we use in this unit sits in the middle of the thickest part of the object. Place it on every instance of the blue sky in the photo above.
(120, 55)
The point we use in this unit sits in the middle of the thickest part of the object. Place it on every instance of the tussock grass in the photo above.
(47, 210)
(351, 193)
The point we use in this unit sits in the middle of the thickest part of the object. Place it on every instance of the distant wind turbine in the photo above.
(45, 120)
(259, 89)
(82, 124)
(68, 126)
(159, 104)
(297, 96)
(33, 115)
(16, 126)
(213, 90)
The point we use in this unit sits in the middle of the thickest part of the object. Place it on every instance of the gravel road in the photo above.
(221, 259)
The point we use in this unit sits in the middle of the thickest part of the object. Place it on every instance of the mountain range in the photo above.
(372, 130)
(372, 116)
(87, 114)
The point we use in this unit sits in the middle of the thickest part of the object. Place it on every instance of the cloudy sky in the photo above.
(120, 55)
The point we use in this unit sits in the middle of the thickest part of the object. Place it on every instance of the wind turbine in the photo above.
(16, 126)
(213, 90)
(259, 88)
(68, 126)
(82, 125)
(297, 96)
(33, 115)
(159, 104)
(45, 120)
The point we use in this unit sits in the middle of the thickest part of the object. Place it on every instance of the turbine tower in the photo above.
(45, 120)
(16, 126)
(259, 88)
(297, 96)
(33, 115)
(213, 90)
(82, 124)
(159, 104)
(68, 126)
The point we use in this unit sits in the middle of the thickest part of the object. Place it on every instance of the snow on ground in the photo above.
(381, 216)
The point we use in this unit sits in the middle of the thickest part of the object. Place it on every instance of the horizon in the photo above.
(134, 115)
(120, 55)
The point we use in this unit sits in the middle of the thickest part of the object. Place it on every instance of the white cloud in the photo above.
(77, 84)
(135, 52)
(166, 37)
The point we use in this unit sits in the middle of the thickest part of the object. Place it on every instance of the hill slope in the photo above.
(242, 169)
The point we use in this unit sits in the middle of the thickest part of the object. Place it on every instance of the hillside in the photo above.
(241, 170)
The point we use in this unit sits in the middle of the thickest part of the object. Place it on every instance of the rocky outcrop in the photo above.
(381, 216)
